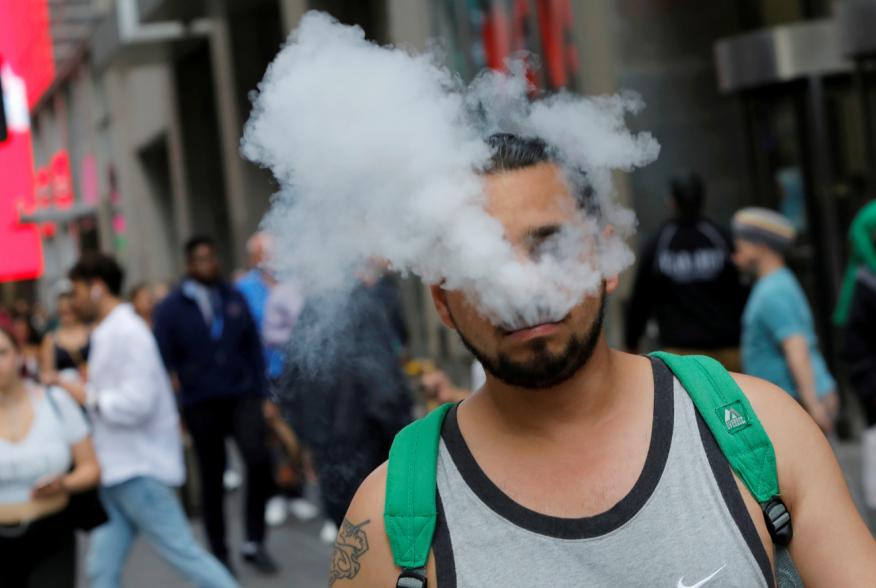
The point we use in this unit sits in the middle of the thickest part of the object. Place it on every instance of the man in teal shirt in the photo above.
(778, 334)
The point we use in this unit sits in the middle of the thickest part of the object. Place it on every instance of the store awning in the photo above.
(59, 215)
(134, 32)
(779, 54)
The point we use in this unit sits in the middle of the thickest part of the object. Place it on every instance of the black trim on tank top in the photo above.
(442, 548)
(733, 499)
(574, 528)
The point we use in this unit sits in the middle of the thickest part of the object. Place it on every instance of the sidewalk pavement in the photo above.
(305, 560)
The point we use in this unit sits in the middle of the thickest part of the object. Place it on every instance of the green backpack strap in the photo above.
(410, 512)
(738, 432)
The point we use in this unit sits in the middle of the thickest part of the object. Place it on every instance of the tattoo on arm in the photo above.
(351, 544)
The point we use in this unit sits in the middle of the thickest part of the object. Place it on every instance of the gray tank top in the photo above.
(683, 525)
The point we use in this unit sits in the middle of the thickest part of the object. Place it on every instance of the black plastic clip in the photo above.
(412, 578)
(778, 521)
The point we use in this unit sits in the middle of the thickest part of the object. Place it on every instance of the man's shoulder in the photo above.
(238, 291)
(130, 325)
(172, 300)
(371, 495)
(780, 287)
(791, 430)
(363, 537)
(248, 280)
(174, 303)
(779, 412)
(829, 533)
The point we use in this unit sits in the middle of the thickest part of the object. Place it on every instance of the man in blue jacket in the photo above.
(211, 345)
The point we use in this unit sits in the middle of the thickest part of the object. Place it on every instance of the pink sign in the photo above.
(89, 187)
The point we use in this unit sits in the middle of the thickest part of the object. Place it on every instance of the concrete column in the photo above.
(95, 106)
(138, 98)
(230, 126)
(135, 258)
(408, 23)
(176, 157)
(595, 43)
(291, 12)
(597, 55)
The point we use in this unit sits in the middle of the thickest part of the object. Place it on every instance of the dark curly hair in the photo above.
(511, 152)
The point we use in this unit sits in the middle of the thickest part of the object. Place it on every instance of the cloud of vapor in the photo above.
(377, 152)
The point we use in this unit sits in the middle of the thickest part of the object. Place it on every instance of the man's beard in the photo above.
(545, 369)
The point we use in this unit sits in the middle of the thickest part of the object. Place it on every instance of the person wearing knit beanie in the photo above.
(779, 343)
(765, 227)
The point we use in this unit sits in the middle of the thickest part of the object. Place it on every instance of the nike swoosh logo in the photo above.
(681, 583)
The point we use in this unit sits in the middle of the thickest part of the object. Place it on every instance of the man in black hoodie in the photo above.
(348, 409)
(860, 342)
(687, 281)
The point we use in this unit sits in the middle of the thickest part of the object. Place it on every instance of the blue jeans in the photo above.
(145, 505)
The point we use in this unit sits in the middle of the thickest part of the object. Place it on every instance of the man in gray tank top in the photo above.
(578, 465)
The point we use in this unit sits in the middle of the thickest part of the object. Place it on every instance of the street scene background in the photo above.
(122, 129)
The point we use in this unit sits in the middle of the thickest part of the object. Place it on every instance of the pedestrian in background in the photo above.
(860, 355)
(256, 286)
(862, 253)
(348, 413)
(860, 342)
(142, 299)
(265, 296)
(211, 345)
(136, 435)
(779, 343)
(46, 456)
(687, 281)
(28, 340)
(65, 349)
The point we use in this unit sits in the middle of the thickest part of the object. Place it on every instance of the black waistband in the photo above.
(48, 525)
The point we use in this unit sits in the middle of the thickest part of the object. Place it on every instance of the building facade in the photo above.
(150, 104)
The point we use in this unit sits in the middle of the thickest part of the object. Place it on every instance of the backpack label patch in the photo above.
(734, 416)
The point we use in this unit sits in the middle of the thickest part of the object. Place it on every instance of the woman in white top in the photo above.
(45, 456)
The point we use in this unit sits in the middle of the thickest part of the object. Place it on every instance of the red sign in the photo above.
(26, 44)
(508, 28)
(560, 53)
(61, 179)
(26, 71)
(20, 246)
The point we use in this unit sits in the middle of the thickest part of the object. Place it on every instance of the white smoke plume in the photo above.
(377, 152)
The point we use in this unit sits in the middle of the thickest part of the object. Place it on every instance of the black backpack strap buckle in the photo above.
(412, 578)
(778, 521)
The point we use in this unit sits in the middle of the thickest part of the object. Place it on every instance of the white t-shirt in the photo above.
(45, 450)
(133, 412)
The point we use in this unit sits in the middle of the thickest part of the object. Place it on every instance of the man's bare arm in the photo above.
(832, 546)
(796, 351)
(361, 556)
(350, 547)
